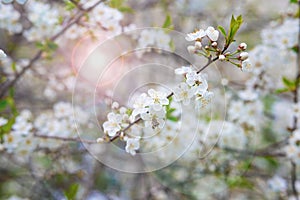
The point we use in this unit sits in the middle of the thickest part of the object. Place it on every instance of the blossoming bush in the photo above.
(92, 89)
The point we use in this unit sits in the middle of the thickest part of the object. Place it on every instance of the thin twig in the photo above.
(70, 139)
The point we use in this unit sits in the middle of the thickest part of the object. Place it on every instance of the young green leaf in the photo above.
(235, 24)
(290, 84)
(72, 191)
(167, 22)
(222, 30)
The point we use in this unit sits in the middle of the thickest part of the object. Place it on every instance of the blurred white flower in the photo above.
(63, 109)
(132, 144)
(2, 54)
(3, 121)
(22, 127)
(247, 65)
(183, 70)
(204, 98)
(277, 184)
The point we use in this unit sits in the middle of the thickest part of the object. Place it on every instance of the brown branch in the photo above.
(38, 55)
(68, 139)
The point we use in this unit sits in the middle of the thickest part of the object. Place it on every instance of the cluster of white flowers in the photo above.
(59, 122)
(19, 139)
(292, 150)
(195, 85)
(10, 19)
(102, 17)
(149, 107)
(202, 47)
(63, 79)
(273, 54)
(245, 113)
(44, 19)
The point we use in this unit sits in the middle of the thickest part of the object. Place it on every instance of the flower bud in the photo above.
(198, 45)
(214, 44)
(242, 46)
(100, 140)
(222, 57)
(243, 56)
(191, 49)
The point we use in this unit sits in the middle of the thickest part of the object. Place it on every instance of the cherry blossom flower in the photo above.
(183, 70)
(132, 144)
(113, 125)
(212, 34)
(197, 80)
(197, 35)
(140, 104)
(247, 65)
(183, 93)
(159, 99)
(154, 118)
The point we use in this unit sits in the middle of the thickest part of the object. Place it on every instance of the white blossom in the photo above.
(247, 65)
(113, 125)
(183, 70)
(183, 93)
(197, 35)
(212, 34)
(277, 184)
(132, 145)
(141, 103)
(154, 118)
(159, 99)
(197, 80)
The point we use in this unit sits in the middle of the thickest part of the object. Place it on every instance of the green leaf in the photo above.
(172, 45)
(126, 9)
(222, 30)
(116, 3)
(293, 1)
(173, 118)
(69, 5)
(168, 22)
(235, 24)
(3, 104)
(239, 182)
(289, 83)
(72, 191)
(295, 49)
(13, 66)
(281, 90)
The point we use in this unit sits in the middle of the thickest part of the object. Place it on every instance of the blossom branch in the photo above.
(69, 139)
(38, 55)
(118, 134)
